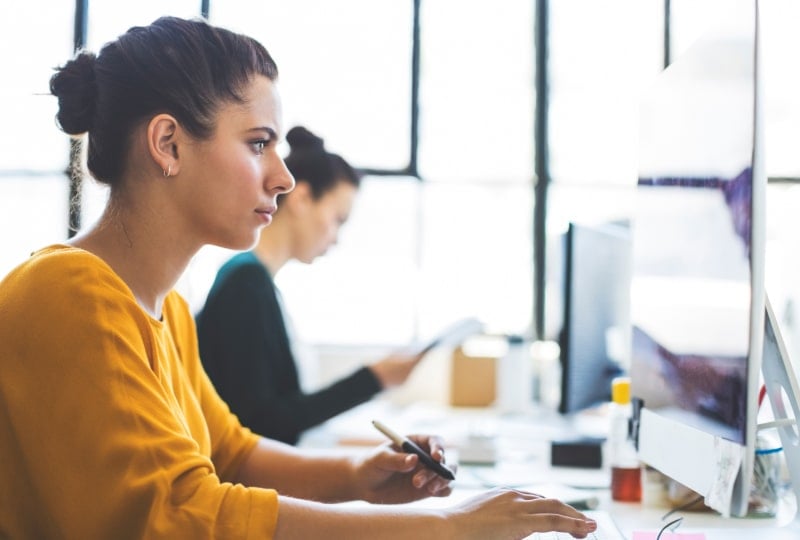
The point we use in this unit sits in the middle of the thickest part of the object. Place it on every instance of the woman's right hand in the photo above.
(504, 513)
(395, 368)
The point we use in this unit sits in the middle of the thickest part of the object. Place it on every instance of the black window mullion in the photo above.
(74, 172)
(412, 169)
(541, 165)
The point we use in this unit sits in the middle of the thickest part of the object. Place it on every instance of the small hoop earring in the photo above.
(168, 171)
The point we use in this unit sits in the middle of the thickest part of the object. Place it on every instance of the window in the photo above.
(345, 69)
(780, 72)
(601, 56)
(416, 254)
(33, 189)
(419, 252)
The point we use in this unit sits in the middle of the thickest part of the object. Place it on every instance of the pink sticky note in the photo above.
(651, 535)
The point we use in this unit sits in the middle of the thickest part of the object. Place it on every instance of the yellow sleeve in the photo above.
(99, 431)
(231, 442)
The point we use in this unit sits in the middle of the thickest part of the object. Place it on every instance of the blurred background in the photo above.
(486, 127)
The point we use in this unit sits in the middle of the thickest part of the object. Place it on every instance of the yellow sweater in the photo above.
(109, 428)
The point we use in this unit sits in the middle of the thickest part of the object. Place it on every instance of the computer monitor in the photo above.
(697, 291)
(596, 306)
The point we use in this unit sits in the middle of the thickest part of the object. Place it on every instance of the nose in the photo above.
(334, 238)
(278, 178)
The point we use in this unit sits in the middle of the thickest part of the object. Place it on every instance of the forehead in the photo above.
(261, 109)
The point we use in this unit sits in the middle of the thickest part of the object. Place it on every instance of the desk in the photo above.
(522, 443)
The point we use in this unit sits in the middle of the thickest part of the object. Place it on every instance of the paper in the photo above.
(729, 461)
(451, 336)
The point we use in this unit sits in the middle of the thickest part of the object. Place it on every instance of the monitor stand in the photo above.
(784, 396)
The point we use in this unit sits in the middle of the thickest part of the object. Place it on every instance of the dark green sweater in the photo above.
(244, 347)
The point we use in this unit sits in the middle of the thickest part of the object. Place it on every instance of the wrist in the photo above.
(359, 491)
(377, 372)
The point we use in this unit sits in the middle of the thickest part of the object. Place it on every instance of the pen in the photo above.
(409, 446)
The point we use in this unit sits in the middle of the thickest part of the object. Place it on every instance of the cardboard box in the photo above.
(472, 379)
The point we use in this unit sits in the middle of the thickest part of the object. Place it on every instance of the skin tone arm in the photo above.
(497, 514)
(388, 476)
(381, 476)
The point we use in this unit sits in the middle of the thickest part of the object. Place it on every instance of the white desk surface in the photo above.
(522, 444)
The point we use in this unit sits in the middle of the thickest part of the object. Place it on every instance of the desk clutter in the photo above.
(494, 441)
(472, 378)
(503, 371)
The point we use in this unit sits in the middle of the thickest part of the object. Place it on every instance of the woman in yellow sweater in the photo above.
(109, 428)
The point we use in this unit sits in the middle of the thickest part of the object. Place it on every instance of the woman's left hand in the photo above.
(389, 475)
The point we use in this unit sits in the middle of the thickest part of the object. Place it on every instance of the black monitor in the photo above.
(596, 307)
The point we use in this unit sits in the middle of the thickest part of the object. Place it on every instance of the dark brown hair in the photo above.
(186, 68)
(310, 162)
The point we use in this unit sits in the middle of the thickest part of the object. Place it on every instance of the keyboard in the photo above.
(606, 529)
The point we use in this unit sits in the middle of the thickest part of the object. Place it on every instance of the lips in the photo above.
(265, 214)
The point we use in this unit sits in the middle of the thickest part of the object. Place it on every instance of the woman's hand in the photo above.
(512, 514)
(395, 368)
(388, 475)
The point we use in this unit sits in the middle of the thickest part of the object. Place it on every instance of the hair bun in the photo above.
(75, 87)
(299, 138)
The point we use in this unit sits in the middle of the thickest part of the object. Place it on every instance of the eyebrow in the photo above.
(271, 132)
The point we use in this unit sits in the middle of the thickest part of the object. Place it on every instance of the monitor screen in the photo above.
(596, 306)
(692, 298)
(697, 292)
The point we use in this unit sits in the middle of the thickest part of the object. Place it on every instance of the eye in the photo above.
(259, 145)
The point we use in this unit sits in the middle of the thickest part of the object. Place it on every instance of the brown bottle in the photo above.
(626, 474)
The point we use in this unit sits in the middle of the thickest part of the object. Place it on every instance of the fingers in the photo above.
(578, 528)
(432, 443)
(554, 515)
(425, 478)
(545, 505)
(405, 462)
(546, 515)
(520, 513)
(430, 481)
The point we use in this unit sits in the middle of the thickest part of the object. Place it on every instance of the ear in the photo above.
(162, 143)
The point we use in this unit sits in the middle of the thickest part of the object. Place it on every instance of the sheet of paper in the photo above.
(451, 336)
(729, 460)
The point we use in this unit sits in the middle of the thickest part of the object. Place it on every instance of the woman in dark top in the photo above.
(245, 342)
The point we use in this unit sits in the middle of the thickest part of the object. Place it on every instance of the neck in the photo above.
(273, 249)
(142, 251)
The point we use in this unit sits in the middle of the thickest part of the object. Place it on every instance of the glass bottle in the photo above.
(626, 476)
(514, 390)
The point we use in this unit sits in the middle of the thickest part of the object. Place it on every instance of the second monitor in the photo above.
(596, 312)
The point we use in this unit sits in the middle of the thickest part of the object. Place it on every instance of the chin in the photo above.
(238, 244)
(249, 245)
